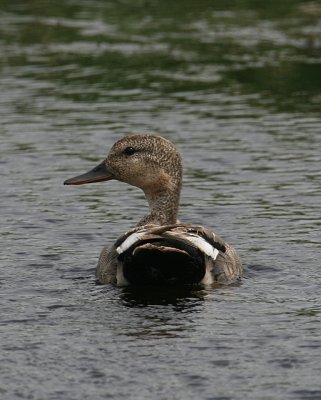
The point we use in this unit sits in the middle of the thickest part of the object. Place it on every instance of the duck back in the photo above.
(163, 261)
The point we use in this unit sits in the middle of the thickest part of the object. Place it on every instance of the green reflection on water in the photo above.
(271, 49)
(290, 84)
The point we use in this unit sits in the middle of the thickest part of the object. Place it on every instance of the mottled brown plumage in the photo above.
(160, 250)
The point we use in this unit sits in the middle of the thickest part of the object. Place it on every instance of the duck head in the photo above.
(148, 162)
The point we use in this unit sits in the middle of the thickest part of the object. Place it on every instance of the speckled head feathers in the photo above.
(149, 162)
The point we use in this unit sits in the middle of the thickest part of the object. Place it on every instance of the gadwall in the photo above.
(160, 249)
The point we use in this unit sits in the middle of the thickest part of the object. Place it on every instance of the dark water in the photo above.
(236, 85)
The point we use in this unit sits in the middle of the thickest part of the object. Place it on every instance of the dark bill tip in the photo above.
(97, 174)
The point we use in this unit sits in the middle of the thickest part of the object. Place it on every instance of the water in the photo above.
(236, 85)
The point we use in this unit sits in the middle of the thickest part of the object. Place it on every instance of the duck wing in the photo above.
(172, 254)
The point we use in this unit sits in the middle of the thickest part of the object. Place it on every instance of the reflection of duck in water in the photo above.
(159, 250)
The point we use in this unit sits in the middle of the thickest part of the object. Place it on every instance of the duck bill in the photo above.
(97, 174)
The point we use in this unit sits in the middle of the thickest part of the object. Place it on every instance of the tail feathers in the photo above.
(150, 247)
(162, 262)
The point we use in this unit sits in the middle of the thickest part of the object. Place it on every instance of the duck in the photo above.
(159, 250)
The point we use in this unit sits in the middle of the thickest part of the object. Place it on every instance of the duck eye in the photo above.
(129, 151)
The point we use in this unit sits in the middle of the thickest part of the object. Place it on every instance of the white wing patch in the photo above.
(194, 239)
(133, 238)
(203, 245)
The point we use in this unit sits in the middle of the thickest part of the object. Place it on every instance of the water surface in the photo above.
(236, 85)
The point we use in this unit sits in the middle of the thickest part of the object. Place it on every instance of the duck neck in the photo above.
(163, 207)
